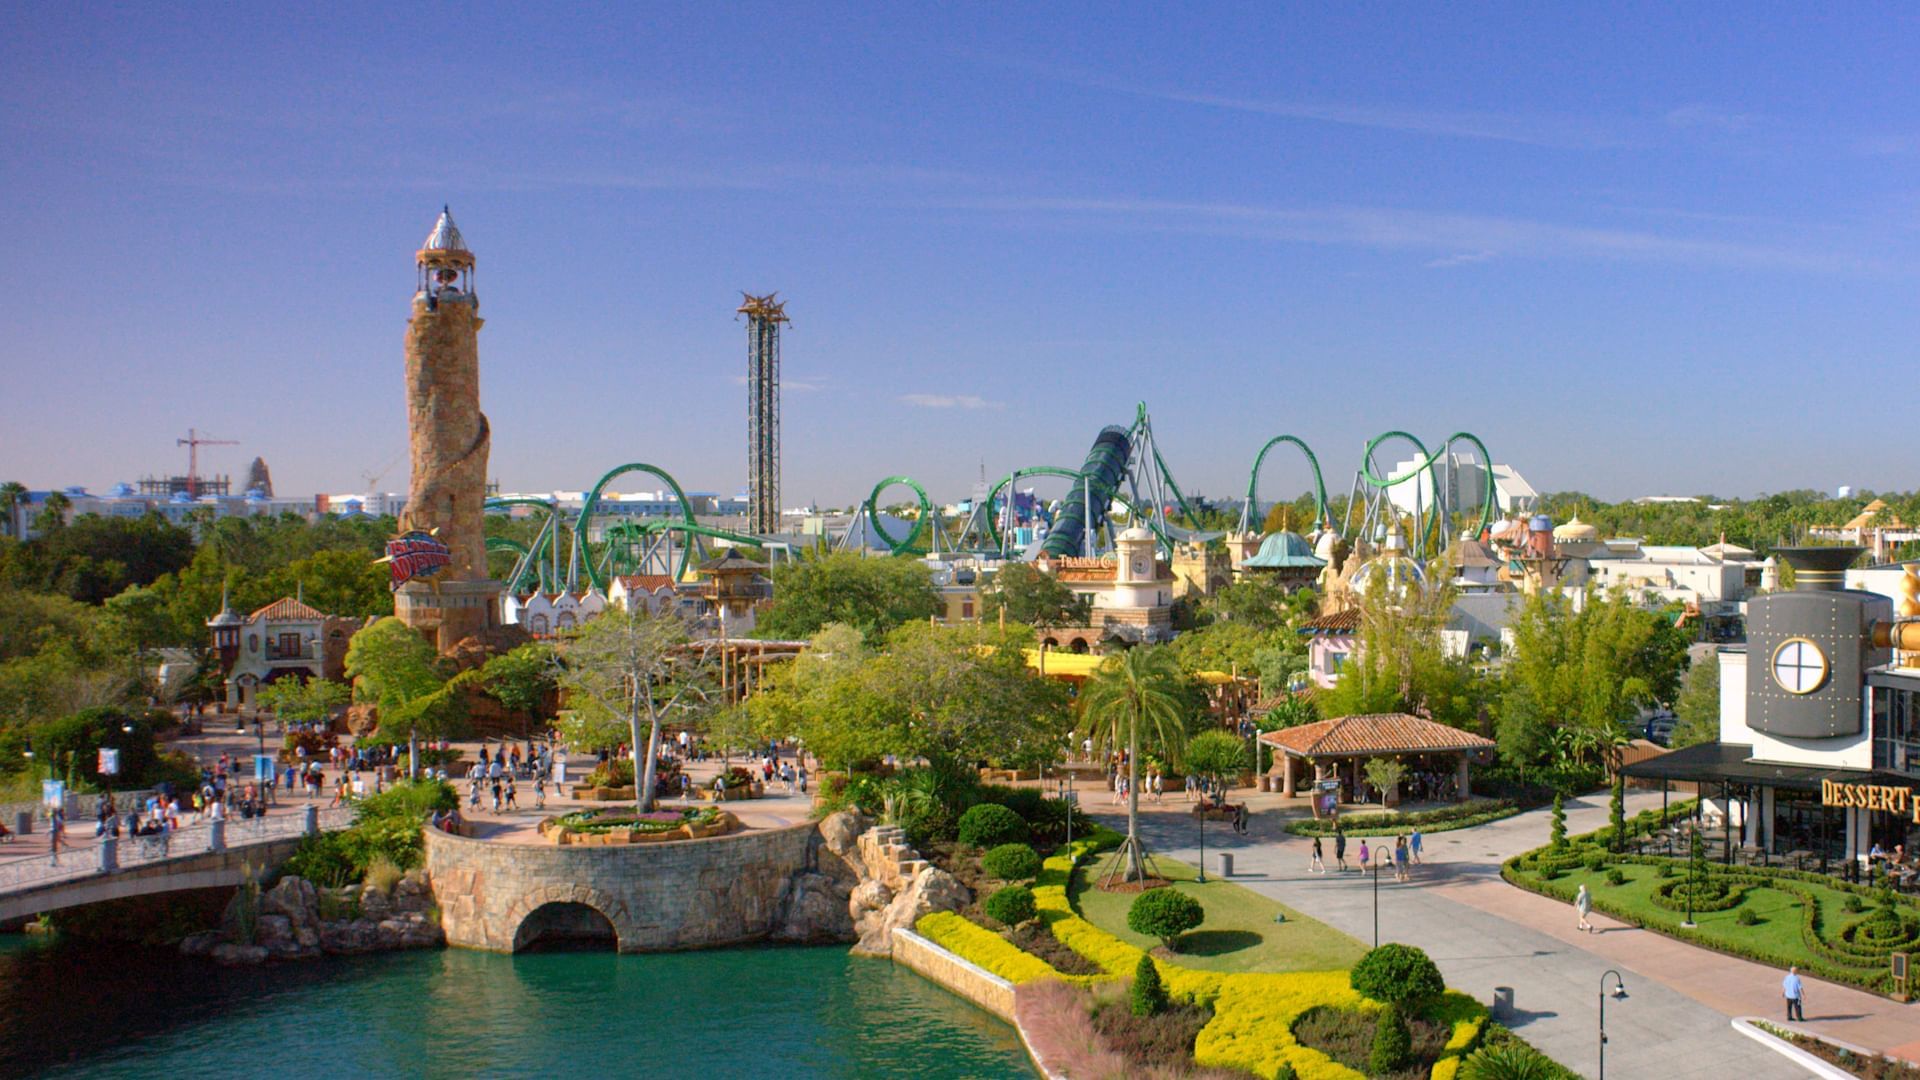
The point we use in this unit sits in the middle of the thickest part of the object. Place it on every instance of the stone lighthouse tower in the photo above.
(448, 437)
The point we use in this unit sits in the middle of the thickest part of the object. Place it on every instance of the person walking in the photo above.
(1340, 849)
(1400, 859)
(512, 802)
(1240, 819)
(1364, 854)
(539, 791)
(1414, 843)
(1795, 994)
(56, 831)
(1583, 903)
(1316, 865)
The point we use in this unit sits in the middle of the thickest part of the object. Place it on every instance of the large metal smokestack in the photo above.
(1819, 569)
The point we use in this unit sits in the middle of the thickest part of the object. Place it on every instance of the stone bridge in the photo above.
(200, 857)
(645, 897)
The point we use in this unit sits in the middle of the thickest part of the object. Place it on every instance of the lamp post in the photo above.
(1202, 878)
(1619, 991)
(1376, 903)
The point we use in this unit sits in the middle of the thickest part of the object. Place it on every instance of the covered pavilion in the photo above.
(1337, 751)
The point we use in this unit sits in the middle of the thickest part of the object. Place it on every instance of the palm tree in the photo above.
(13, 494)
(53, 511)
(1141, 690)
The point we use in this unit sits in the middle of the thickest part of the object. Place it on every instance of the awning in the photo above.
(1733, 763)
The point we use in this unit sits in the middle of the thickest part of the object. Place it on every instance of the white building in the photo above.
(1465, 480)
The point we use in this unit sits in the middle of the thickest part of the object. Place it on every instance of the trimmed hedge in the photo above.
(1011, 862)
(1012, 905)
(1466, 816)
(990, 825)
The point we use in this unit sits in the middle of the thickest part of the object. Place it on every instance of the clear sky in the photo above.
(1667, 248)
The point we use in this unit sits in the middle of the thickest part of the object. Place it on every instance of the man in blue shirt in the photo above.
(1790, 986)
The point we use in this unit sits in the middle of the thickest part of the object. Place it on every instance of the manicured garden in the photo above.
(1829, 928)
(1246, 1008)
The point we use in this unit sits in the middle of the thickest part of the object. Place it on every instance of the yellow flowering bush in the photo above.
(1254, 1012)
(976, 943)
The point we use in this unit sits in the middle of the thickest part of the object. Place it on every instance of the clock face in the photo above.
(1139, 568)
(1799, 666)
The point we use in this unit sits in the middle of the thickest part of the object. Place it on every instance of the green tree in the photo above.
(1585, 673)
(871, 594)
(1033, 597)
(1227, 647)
(1617, 812)
(1697, 712)
(13, 495)
(1399, 663)
(960, 694)
(821, 699)
(1164, 913)
(1557, 830)
(1215, 754)
(305, 702)
(634, 668)
(522, 678)
(390, 664)
(1397, 974)
(1137, 695)
(1148, 995)
(1385, 774)
(1263, 603)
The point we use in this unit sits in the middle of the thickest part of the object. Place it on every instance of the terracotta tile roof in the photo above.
(1340, 622)
(287, 609)
(1373, 733)
(646, 582)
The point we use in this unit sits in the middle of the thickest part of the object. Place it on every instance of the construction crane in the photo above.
(193, 442)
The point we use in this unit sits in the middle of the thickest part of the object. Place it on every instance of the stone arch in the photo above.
(1079, 645)
(580, 896)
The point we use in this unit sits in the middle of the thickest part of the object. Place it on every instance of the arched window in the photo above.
(564, 622)
(539, 624)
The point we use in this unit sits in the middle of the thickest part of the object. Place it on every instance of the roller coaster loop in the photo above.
(594, 573)
(1429, 462)
(1325, 516)
(900, 547)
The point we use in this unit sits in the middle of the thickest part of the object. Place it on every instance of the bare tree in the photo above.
(622, 668)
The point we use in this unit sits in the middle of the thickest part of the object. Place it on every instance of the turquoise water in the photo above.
(72, 1011)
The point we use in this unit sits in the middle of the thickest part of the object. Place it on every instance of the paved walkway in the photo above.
(777, 809)
(1484, 933)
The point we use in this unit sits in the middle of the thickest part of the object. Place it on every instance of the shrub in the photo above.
(323, 859)
(1148, 995)
(1398, 975)
(1164, 913)
(382, 874)
(1392, 1043)
(1558, 834)
(990, 825)
(1746, 917)
(1012, 905)
(1510, 1061)
(1597, 863)
(1616, 876)
(1011, 862)
(1027, 802)
(1664, 871)
(612, 773)
(1854, 904)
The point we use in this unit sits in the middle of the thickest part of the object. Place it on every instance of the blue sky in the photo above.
(1640, 249)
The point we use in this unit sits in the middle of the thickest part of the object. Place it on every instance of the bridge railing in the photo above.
(110, 855)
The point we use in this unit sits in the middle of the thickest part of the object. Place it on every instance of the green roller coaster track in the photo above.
(1253, 482)
(532, 562)
(627, 531)
(1428, 462)
(595, 575)
(907, 546)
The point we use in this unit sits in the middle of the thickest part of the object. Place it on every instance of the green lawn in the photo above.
(1239, 933)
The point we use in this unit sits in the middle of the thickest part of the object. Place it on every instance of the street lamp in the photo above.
(1620, 992)
(1376, 903)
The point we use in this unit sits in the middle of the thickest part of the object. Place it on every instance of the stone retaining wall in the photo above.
(963, 977)
(680, 895)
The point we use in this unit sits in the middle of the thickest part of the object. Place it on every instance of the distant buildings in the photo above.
(1465, 484)
(1876, 527)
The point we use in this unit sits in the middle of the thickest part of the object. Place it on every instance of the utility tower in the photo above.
(764, 316)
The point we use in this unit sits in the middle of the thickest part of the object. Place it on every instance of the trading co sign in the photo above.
(1892, 800)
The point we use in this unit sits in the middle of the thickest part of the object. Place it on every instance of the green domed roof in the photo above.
(1285, 551)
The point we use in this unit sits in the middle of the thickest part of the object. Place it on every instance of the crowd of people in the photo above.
(1402, 857)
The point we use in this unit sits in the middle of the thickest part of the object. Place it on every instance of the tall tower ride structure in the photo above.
(764, 316)
(448, 439)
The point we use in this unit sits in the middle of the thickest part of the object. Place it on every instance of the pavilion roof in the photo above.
(1373, 733)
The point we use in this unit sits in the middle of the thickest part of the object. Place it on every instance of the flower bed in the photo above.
(1254, 1012)
(606, 827)
(1874, 1066)
(1464, 816)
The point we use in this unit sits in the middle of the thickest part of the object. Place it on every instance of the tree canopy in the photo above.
(870, 594)
(1033, 597)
